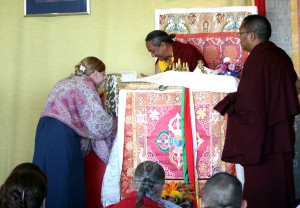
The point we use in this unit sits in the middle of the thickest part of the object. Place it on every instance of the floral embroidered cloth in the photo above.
(149, 126)
(153, 132)
(202, 20)
(211, 30)
(216, 46)
(76, 102)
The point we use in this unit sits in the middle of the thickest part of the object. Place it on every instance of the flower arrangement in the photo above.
(230, 69)
(179, 193)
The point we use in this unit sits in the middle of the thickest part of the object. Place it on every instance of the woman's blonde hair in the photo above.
(88, 65)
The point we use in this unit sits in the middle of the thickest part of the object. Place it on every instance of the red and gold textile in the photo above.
(211, 30)
(202, 20)
(144, 114)
(216, 46)
(153, 132)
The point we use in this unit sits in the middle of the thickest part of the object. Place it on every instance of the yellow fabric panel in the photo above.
(163, 65)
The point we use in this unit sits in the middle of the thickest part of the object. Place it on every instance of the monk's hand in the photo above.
(143, 75)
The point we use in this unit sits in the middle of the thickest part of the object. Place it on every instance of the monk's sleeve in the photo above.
(246, 127)
(191, 55)
(226, 105)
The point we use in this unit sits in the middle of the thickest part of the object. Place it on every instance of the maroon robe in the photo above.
(130, 201)
(187, 53)
(260, 133)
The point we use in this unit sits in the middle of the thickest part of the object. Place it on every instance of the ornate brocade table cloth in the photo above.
(149, 129)
(152, 131)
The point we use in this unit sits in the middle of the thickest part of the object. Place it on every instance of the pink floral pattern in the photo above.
(216, 46)
(202, 20)
(76, 102)
(148, 114)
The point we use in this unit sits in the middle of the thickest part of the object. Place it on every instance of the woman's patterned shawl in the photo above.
(75, 101)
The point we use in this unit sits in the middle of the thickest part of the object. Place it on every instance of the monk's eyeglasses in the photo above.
(239, 33)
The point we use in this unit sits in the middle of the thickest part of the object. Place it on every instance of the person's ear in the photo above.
(163, 45)
(94, 74)
(252, 36)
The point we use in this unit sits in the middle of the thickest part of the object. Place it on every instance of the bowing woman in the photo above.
(73, 110)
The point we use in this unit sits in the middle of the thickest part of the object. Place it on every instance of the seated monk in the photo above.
(168, 52)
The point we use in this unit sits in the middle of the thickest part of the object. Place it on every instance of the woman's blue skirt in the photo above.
(57, 152)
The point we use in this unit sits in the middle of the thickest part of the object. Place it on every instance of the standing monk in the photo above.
(260, 133)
